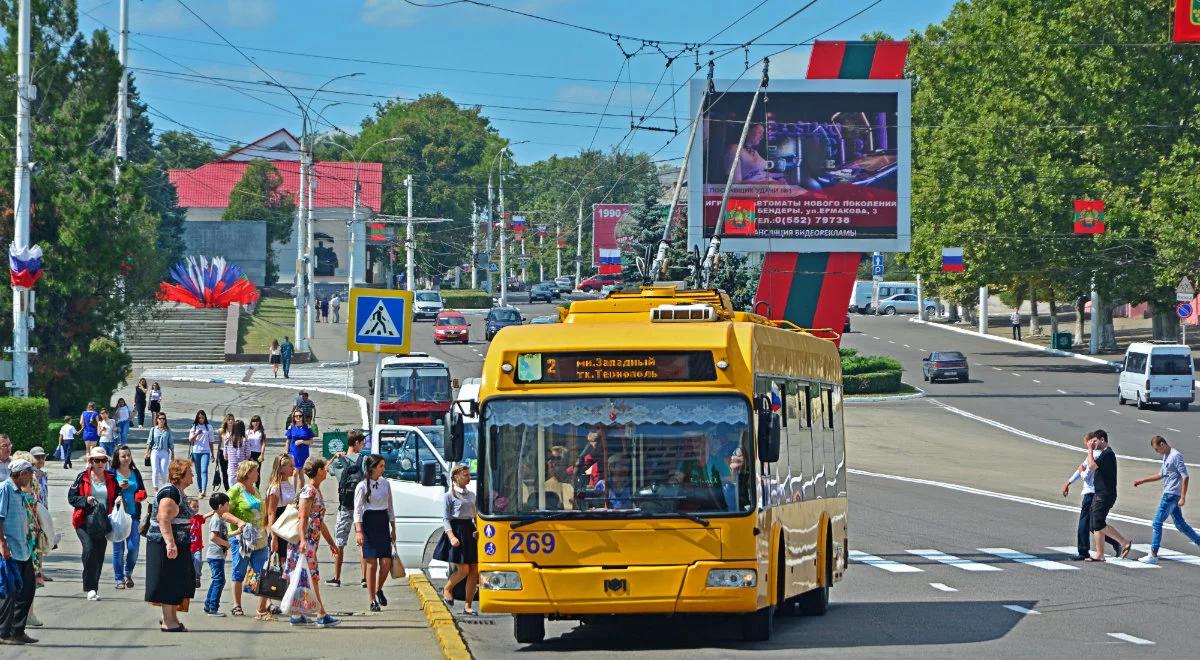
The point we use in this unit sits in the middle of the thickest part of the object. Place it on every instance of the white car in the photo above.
(1157, 373)
(427, 305)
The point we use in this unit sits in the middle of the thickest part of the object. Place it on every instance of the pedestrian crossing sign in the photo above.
(380, 321)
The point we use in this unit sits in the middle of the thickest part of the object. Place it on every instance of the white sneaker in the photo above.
(1149, 559)
(92, 595)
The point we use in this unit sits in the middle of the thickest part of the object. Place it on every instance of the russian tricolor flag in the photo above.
(610, 260)
(518, 223)
(952, 260)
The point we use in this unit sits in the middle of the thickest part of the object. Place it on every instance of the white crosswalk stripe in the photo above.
(957, 562)
(1117, 561)
(1163, 553)
(1029, 560)
(302, 376)
(885, 564)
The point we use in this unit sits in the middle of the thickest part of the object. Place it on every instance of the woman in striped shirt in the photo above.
(235, 448)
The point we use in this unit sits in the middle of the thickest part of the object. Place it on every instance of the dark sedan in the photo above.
(545, 291)
(943, 365)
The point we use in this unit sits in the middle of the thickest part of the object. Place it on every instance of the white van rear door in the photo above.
(1170, 375)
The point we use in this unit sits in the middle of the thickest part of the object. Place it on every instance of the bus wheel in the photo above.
(758, 626)
(529, 628)
(816, 602)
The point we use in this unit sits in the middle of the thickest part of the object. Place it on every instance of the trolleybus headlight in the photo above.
(506, 368)
(735, 577)
(501, 581)
(722, 364)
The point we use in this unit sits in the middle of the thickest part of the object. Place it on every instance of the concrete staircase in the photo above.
(177, 334)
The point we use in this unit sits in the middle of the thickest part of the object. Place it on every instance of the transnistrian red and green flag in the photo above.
(740, 219)
(1187, 20)
(1089, 216)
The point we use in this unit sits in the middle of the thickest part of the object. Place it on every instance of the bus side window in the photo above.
(784, 470)
(799, 442)
(819, 474)
(827, 408)
(839, 443)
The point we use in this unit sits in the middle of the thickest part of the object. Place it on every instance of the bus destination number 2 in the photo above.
(532, 544)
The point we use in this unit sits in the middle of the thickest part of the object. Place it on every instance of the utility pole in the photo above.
(21, 194)
(541, 264)
(474, 245)
(524, 259)
(503, 252)
(353, 231)
(557, 250)
(579, 243)
(310, 262)
(410, 241)
(491, 222)
(301, 307)
(123, 90)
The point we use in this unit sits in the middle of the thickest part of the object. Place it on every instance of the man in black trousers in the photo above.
(14, 550)
(1083, 533)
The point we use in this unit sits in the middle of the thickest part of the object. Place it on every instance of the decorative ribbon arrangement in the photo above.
(204, 282)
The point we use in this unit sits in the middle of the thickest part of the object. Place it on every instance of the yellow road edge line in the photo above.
(441, 621)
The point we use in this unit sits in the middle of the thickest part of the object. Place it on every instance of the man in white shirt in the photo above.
(1086, 475)
(1015, 320)
(1174, 475)
(335, 305)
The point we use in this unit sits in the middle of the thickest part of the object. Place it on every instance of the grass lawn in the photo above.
(274, 318)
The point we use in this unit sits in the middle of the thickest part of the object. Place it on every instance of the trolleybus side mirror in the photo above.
(455, 383)
(429, 473)
(454, 446)
(371, 386)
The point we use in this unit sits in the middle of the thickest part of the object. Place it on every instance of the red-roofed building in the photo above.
(204, 193)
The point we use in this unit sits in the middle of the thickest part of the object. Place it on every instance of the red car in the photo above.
(597, 282)
(450, 326)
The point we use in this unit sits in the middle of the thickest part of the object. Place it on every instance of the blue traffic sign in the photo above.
(877, 265)
(1184, 310)
(380, 320)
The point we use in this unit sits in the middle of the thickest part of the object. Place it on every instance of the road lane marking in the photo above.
(1037, 381)
(942, 587)
(1015, 373)
(1115, 412)
(1174, 430)
(957, 562)
(1021, 610)
(1029, 560)
(1060, 391)
(1030, 436)
(907, 346)
(1131, 639)
(879, 562)
(1163, 553)
(891, 342)
(1089, 403)
(1143, 421)
(1123, 563)
(997, 369)
(922, 350)
(874, 337)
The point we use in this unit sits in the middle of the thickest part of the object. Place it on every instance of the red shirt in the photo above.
(197, 525)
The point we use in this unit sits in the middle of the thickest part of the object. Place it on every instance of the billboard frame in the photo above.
(902, 242)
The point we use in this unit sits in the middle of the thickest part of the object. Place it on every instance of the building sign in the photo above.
(609, 367)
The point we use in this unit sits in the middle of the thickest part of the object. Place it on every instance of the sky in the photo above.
(542, 84)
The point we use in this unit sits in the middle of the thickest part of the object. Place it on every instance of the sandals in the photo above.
(237, 611)
(448, 601)
(180, 628)
(265, 616)
(1125, 550)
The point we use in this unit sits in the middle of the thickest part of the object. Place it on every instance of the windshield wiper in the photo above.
(572, 513)
(690, 516)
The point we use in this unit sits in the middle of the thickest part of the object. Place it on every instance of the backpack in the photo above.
(349, 480)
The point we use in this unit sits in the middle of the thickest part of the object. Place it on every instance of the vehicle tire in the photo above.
(1183, 406)
(890, 311)
(529, 628)
(436, 342)
(925, 376)
(1141, 405)
(466, 341)
(758, 626)
(816, 601)
(1120, 397)
(964, 378)
(930, 311)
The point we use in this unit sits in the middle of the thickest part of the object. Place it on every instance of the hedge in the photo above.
(25, 421)
(880, 382)
(866, 364)
(466, 299)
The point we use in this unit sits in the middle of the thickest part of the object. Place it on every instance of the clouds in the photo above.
(390, 13)
(168, 15)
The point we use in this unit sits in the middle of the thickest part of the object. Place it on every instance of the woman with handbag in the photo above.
(311, 511)
(160, 451)
(170, 575)
(375, 529)
(89, 427)
(458, 544)
(139, 402)
(93, 495)
(247, 513)
(280, 493)
(220, 442)
(133, 491)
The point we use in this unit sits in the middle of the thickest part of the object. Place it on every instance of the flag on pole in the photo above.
(518, 223)
(610, 261)
(1089, 216)
(541, 231)
(24, 266)
(1187, 20)
(952, 260)
(562, 240)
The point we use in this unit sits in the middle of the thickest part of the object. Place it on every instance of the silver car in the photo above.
(903, 303)
(565, 284)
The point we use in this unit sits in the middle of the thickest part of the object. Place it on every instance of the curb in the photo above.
(362, 402)
(920, 394)
(1022, 344)
(454, 647)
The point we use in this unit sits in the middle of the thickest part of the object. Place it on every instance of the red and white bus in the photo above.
(414, 390)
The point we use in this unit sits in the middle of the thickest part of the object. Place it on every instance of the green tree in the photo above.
(182, 150)
(259, 195)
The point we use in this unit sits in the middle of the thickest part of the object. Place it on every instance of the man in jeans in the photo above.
(14, 546)
(1083, 535)
(1015, 320)
(1174, 475)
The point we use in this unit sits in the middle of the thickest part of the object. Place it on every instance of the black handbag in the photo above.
(98, 524)
(272, 582)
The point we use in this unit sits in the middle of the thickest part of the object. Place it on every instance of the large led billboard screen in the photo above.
(825, 167)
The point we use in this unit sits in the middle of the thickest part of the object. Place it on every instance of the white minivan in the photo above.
(1157, 373)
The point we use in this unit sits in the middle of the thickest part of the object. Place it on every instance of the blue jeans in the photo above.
(216, 585)
(256, 560)
(123, 431)
(109, 448)
(68, 448)
(125, 555)
(1169, 506)
(200, 462)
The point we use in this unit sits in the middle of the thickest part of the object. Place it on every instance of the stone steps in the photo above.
(174, 334)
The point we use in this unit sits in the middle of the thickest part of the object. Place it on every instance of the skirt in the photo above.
(275, 359)
(168, 581)
(377, 535)
(467, 551)
(155, 406)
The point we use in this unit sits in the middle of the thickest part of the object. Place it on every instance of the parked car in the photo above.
(945, 364)
(565, 284)
(1157, 373)
(609, 288)
(501, 317)
(903, 303)
(540, 320)
(543, 292)
(427, 305)
(860, 300)
(516, 284)
(451, 326)
(597, 282)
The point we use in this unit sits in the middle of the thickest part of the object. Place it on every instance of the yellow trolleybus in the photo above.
(658, 452)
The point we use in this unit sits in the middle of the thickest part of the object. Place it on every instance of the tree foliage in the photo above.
(259, 195)
(182, 150)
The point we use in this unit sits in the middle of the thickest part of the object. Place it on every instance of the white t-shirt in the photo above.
(106, 429)
(123, 414)
(67, 432)
(254, 441)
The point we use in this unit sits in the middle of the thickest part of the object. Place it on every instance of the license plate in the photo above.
(951, 372)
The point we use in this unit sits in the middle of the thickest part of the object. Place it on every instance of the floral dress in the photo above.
(35, 531)
(312, 533)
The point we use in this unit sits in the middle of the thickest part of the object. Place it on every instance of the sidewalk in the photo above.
(123, 627)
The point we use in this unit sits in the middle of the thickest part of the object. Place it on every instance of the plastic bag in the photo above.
(120, 522)
(299, 599)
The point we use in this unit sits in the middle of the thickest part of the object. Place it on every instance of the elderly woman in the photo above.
(170, 576)
(248, 536)
(93, 495)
